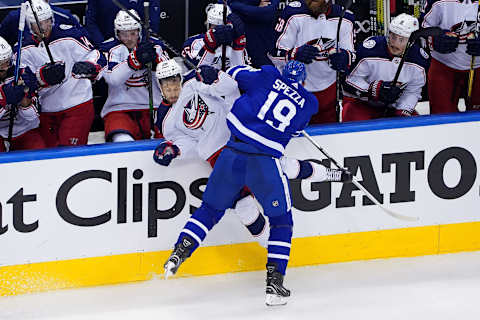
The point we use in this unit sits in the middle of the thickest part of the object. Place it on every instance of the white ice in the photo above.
(428, 288)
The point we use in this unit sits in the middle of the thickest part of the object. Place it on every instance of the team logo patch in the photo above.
(424, 53)
(195, 113)
(369, 43)
(295, 4)
(65, 26)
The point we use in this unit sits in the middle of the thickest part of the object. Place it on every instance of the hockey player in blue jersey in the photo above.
(272, 109)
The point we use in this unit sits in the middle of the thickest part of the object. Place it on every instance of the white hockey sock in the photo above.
(122, 137)
(249, 214)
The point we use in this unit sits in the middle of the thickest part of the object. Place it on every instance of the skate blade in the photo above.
(168, 270)
(275, 300)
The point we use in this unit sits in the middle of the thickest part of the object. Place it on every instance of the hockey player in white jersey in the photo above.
(195, 127)
(206, 49)
(126, 112)
(307, 32)
(452, 53)
(65, 96)
(25, 133)
(368, 90)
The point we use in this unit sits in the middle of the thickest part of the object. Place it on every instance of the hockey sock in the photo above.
(279, 241)
(200, 223)
(248, 213)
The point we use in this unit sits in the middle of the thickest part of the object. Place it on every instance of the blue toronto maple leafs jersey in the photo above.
(271, 110)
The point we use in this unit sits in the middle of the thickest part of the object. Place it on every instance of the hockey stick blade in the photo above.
(359, 186)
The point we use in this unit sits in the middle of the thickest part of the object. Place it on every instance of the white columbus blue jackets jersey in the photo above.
(458, 17)
(67, 44)
(196, 122)
(374, 62)
(127, 88)
(194, 50)
(271, 110)
(26, 118)
(297, 27)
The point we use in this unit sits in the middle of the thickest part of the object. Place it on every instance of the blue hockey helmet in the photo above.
(295, 71)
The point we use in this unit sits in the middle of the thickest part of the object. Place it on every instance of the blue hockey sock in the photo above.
(200, 223)
(279, 242)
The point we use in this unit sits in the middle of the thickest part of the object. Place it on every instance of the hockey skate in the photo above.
(277, 294)
(179, 254)
(339, 175)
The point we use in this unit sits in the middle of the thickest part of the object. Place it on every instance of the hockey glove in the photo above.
(165, 153)
(51, 74)
(306, 53)
(340, 61)
(383, 91)
(30, 81)
(215, 37)
(444, 43)
(143, 54)
(207, 74)
(11, 94)
(86, 70)
(473, 47)
(238, 32)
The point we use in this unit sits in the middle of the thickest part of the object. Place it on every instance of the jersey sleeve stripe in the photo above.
(253, 135)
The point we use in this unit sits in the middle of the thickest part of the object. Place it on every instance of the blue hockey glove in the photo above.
(215, 37)
(207, 74)
(383, 91)
(143, 54)
(341, 60)
(85, 70)
(30, 81)
(238, 31)
(12, 94)
(51, 74)
(444, 43)
(165, 153)
(306, 53)
(473, 47)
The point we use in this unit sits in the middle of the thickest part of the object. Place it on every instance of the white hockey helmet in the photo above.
(124, 22)
(215, 13)
(167, 69)
(5, 50)
(403, 25)
(41, 8)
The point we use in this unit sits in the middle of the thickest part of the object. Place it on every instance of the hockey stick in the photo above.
(146, 12)
(224, 46)
(338, 85)
(471, 73)
(13, 110)
(420, 33)
(373, 17)
(156, 35)
(42, 34)
(358, 185)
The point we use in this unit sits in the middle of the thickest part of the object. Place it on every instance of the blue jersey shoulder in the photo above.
(417, 55)
(191, 39)
(293, 8)
(60, 31)
(336, 11)
(108, 44)
(373, 47)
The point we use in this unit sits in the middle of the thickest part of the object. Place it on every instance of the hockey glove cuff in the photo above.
(165, 153)
(207, 74)
(86, 70)
(11, 94)
(306, 53)
(51, 74)
(341, 60)
(444, 43)
(473, 47)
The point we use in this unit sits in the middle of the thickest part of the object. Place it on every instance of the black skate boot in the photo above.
(179, 254)
(277, 294)
(339, 175)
